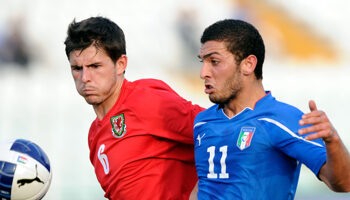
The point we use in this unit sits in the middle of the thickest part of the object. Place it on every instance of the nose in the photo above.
(205, 73)
(85, 75)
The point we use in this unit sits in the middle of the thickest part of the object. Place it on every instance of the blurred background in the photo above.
(307, 57)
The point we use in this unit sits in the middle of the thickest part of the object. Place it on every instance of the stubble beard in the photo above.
(230, 91)
(224, 99)
(90, 99)
(98, 99)
(93, 101)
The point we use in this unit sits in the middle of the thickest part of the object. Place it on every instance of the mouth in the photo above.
(208, 88)
(88, 91)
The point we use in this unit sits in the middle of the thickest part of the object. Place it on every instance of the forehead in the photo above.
(88, 55)
(210, 47)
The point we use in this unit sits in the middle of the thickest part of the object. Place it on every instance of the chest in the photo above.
(223, 149)
(113, 143)
(244, 137)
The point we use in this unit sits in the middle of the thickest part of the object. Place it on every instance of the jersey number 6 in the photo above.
(103, 158)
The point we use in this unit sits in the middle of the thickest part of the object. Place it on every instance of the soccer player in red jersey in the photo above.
(141, 143)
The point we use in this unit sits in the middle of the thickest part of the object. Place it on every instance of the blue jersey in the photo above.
(257, 154)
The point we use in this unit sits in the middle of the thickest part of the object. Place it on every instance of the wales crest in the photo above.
(118, 125)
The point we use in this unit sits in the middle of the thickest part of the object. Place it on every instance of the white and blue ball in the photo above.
(25, 171)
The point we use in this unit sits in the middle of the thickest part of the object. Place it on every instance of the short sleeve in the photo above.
(285, 139)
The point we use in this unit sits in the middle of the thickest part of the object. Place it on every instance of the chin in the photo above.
(214, 99)
(92, 101)
(220, 100)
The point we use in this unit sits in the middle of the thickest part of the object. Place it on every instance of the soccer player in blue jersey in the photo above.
(249, 145)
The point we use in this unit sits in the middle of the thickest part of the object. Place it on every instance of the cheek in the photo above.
(77, 82)
(227, 80)
(221, 77)
(76, 79)
(78, 87)
(75, 75)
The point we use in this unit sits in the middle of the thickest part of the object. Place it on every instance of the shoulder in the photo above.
(270, 106)
(280, 115)
(156, 94)
(150, 87)
(207, 114)
(151, 83)
(286, 110)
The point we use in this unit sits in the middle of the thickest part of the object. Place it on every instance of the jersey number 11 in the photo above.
(223, 173)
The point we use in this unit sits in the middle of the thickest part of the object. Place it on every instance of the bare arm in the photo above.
(336, 171)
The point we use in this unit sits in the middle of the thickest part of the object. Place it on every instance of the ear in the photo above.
(248, 65)
(121, 63)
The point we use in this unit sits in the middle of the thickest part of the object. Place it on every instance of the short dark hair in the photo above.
(242, 39)
(98, 31)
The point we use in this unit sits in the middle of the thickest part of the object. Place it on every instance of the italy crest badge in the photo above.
(245, 137)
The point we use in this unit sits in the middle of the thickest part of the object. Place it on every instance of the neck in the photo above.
(103, 108)
(247, 98)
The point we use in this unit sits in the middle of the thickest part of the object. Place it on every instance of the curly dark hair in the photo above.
(98, 31)
(241, 38)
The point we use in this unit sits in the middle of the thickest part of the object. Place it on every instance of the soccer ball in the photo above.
(25, 172)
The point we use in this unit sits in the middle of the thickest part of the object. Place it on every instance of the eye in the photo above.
(214, 62)
(94, 66)
(77, 68)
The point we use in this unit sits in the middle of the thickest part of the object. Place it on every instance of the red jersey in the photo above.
(143, 148)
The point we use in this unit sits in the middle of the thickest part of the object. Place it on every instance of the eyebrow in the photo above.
(207, 55)
(95, 63)
(75, 66)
